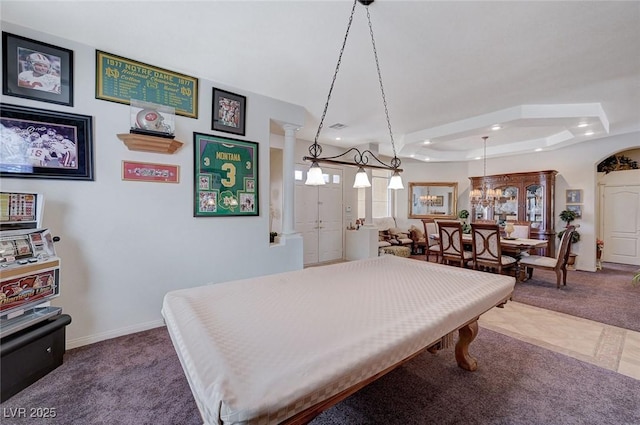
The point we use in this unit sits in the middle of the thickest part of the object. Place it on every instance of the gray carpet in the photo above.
(137, 379)
(606, 296)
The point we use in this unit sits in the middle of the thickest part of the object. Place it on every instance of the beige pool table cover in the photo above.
(258, 351)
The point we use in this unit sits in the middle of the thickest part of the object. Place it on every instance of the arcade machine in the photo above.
(32, 332)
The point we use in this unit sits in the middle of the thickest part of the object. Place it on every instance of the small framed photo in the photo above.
(226, 177)
(35, 70)
(38, 143)
(576, 209)
(574, 196)
(228, 112)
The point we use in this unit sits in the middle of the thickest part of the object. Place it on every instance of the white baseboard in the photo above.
(92, 339)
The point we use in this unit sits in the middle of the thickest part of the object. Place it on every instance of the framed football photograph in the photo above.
(37, 143)
(228, 112)
(35, 70)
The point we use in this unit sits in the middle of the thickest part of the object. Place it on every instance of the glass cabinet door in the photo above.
(535, 205)
(506, 205)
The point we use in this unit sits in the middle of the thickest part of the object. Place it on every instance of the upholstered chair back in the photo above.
(451, 247)
(486, 241)
(521, 229)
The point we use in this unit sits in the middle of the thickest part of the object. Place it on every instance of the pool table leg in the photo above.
(466, 334)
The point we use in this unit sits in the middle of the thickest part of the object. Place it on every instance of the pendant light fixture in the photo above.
(361, 159)
(484, 196)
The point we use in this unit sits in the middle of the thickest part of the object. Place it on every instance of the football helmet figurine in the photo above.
(150, 119)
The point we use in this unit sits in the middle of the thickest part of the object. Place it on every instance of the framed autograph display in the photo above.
(45, 144)
(35, 70)
(226, 177)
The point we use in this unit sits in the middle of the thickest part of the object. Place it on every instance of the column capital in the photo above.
(290, 128)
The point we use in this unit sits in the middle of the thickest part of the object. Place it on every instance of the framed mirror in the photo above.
(433, 199)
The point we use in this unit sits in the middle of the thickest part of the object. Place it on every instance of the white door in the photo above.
(319, 216)
(621, 224)
(306, 221)
(330, 217)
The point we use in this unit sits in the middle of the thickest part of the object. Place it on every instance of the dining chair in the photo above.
(558, 264)
(521, 229)
(451, 246)
(487, 252)
(432, 246)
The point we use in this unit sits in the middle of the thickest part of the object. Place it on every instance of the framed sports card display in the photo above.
(35, 70)
(229, 112)
(37, 143)
(226, 177)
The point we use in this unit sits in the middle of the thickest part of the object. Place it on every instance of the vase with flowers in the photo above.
(599, 247)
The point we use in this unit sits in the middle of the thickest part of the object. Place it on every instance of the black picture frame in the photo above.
(37, 143)
(226, 177)
(18, 55)
(228, 112)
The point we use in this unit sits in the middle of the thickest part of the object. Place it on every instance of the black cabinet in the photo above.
(31, 353)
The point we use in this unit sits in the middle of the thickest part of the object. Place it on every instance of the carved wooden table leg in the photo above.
(466, 334)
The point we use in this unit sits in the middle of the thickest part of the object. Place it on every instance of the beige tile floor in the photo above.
(603, 345)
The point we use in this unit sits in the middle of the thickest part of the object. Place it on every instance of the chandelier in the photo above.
(361, 159)
(484, 196)
(427, 199)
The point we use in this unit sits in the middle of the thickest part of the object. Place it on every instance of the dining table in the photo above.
(514, 247)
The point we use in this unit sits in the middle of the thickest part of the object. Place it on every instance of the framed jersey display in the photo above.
(35, 70)
(226, 176)
(45, 144)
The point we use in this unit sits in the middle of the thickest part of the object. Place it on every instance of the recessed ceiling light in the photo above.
(496, 127)
(427, 159)
(478, 157)
(338, 138)
(589, 133)
(427, 142)
(582, 125)
(412, 155)
(538, 149)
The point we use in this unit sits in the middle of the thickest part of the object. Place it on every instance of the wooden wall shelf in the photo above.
(140, 142)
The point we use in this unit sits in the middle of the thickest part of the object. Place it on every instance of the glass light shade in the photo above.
(362, 180)
(395, 182)
(314, 175)
(493, 193)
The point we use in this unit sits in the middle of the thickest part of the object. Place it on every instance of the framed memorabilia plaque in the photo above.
(226, 177)
(35, 70)
(120, 79)
(45, 144)
(229, 112)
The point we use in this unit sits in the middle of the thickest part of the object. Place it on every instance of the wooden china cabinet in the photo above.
(525, 197)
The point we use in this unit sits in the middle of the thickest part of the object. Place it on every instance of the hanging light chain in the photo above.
(395, 162)
(335, 75)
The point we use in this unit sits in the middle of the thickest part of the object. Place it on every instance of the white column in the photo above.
(288, 181)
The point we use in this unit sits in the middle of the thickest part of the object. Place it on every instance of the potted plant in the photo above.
(272, 236)
(568, 216)
(636, 278)
(463, 215)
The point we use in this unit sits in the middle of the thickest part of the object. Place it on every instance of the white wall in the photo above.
(125, 244)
